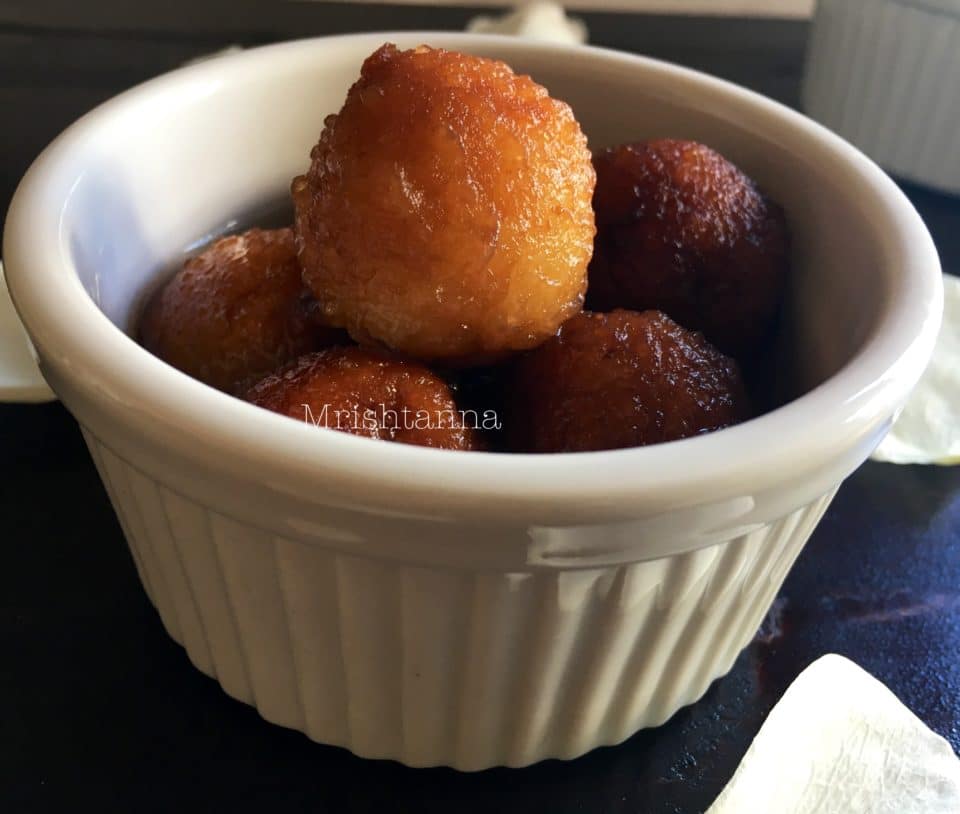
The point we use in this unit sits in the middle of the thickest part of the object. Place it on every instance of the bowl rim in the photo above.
(76, 338)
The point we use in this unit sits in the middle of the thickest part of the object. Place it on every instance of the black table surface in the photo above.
(101, 709)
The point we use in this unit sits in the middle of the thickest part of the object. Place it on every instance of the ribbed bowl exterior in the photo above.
(885, 74)
(470, 669)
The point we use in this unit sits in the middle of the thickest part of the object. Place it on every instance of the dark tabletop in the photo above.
(101, 710)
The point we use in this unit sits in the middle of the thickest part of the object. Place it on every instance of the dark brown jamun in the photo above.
(622, 379)
(682, 230)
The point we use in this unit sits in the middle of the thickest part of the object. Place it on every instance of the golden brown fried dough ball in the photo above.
(236, 311)
(447, 210)
(367, 392)
(682, 230)
(622, 379)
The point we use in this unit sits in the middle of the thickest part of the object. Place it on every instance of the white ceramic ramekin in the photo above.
(885, 74)
(468, 609)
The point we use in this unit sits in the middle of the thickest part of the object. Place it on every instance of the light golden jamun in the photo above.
(446, 213)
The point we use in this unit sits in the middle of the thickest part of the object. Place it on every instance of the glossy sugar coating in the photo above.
(447, 210)
(622, 379)
(366, 392)
(682, 230)
(236, 311)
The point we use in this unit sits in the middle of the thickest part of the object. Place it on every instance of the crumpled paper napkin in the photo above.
(928, 429)
(539, 20)
(839, 742)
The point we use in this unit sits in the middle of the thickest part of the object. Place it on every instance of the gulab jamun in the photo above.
(446, 213)
(680, 229)
(367, 392)
(621, 379)
(236, 311)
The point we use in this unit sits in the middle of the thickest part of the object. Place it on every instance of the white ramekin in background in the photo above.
(885, 75)
(436, 607)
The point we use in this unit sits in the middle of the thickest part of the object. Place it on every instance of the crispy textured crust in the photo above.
(369, 393)
(622, 379)
(682, 230)
(447, 209)
(236, 311)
